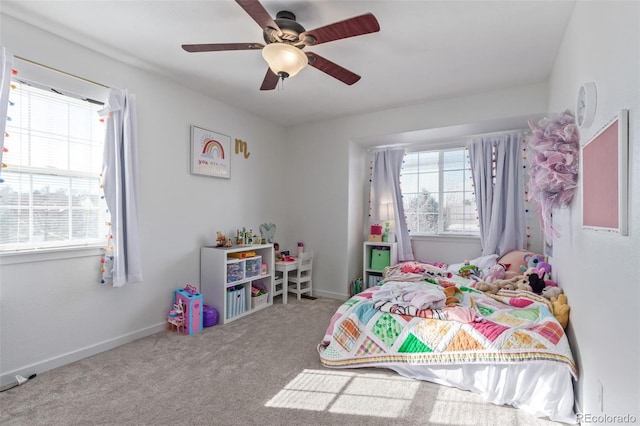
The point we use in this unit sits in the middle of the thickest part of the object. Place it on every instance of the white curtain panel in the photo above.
(6, 61)
(120, 180)
(501, 208)
(385, 191)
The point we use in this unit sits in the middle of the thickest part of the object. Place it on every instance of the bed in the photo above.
(506, 347)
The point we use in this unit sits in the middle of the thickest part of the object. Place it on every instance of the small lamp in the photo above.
(284, 59)
(386, 215)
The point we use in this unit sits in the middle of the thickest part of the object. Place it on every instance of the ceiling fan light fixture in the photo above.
(284, 59)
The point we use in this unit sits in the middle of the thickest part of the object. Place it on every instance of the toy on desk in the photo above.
(285, 256)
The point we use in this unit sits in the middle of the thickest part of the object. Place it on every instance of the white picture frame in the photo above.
(210, 153)
(605, 177)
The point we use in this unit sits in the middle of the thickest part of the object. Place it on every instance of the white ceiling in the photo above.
(425, 49)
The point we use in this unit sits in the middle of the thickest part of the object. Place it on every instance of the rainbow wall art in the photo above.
(209, 153)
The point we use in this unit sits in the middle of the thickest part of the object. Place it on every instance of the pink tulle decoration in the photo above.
(554, 165)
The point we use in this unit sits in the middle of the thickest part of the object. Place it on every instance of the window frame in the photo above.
(68, 85)
(441, 148)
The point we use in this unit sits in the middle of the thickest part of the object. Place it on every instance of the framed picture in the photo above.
(604, 162)
(210, 153)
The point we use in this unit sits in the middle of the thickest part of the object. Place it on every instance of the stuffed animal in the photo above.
(487, 287)
(561, 309)
(536, 282)
(550, 292)
(467, 271)
(496, 272)
(531, 260)
(544, 267)
(220, 239)
(522, 283)
(452, 293)
(509, 284)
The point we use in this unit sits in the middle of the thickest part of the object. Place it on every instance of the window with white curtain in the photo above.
(437, 192)
(50, 196)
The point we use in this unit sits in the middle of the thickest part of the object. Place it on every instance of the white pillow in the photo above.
(482, 262)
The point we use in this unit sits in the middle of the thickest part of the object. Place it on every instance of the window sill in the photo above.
(42, 255)
(446, 237)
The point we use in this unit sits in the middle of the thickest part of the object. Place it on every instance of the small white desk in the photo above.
(285, 268)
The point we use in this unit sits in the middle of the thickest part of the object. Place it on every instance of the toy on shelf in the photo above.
(267, 232)
(221, 240)
(375, 235)
(246, 238)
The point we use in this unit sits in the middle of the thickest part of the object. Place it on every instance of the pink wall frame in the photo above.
(604, 174)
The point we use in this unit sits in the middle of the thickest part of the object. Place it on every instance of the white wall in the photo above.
(55, 311)
(599, 271)
(319, 164)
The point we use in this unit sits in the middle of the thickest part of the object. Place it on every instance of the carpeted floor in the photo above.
(263, 369)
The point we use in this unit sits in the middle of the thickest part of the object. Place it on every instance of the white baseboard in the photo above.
(330, 294)
(68, 358)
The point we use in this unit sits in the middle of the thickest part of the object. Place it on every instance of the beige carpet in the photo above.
(259, 370)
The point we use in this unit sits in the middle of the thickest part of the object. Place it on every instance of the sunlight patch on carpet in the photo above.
(364, 394)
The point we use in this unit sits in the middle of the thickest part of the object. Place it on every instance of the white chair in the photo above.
(278, 283)
(301, 282)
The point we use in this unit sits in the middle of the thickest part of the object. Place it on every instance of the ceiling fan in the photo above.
(285, 38)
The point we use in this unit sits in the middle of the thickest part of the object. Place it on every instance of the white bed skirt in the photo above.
(540, 389)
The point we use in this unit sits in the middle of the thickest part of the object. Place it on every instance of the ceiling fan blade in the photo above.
(270, 80)
(333, 69)
(359, 25)
(217, 47)
(259, 14)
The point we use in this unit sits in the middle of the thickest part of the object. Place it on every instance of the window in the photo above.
(51, 196)
(437, 192)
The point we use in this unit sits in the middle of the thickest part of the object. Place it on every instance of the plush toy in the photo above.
(496, 272)
(468, 270)
(531, 260)
(487, 287)
(220, 239)
(550, 292)
(522, 283)
(509, 284)
(536, 282)
(452, 293)
(544, 267)
(561, 309)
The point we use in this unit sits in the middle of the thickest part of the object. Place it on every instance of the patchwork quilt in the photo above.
(511, 327)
